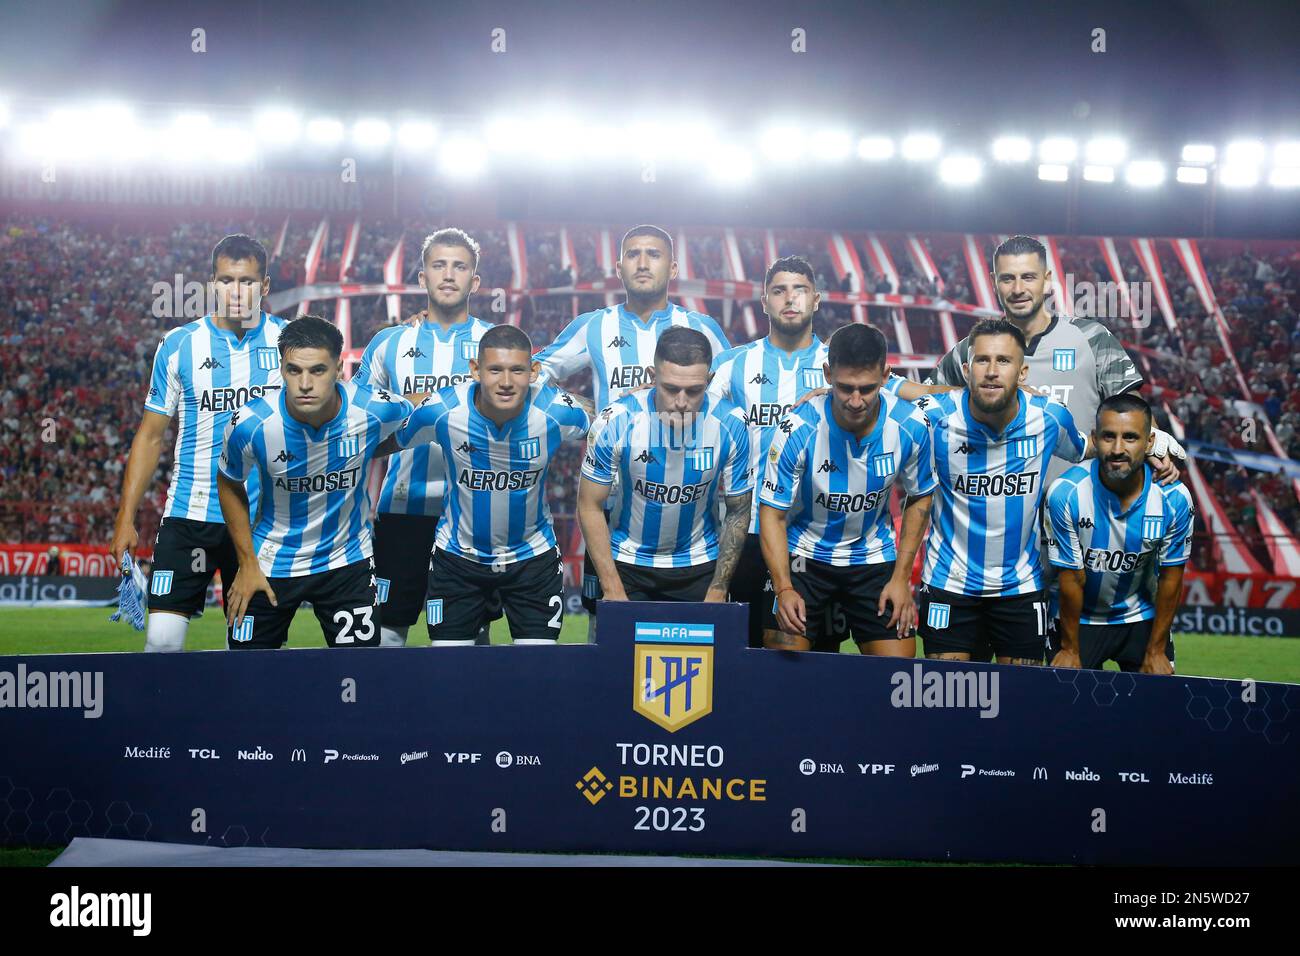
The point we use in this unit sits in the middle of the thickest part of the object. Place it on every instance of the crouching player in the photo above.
(825, 500)
(1120, 541)
(311, 444)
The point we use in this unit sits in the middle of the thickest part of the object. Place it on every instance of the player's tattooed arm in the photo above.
(735, 525)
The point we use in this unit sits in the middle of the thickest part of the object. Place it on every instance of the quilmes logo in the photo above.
(672, 677)
(74, 690)
(946, 688)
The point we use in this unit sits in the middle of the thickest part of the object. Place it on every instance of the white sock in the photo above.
(392, 636)
(453, 643)
(166, 633)
(535, 640)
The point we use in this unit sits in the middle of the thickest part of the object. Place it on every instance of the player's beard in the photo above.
(992, 408)
(653, 293)
(1036, 303)
(1120, 471)
(445, 309)
(791, 328)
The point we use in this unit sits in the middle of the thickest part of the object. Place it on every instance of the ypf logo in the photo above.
(672, 677)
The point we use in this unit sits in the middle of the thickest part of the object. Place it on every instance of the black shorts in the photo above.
(1014, 626)
(1125, 644)
(403, 551)
(665, 584)
(752, 584)
(185, 556)
(463, 594)
(343, 600)
(850, 594)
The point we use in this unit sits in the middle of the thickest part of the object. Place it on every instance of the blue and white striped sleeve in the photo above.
(420, 427)
(737, 478)
(238, 457)
(1176, 548)
(785, 463)
(918, 465)
(568, 353)
(1070, 442)
(605, 447)
(165, 382)
(1063, 550)
(373, 370)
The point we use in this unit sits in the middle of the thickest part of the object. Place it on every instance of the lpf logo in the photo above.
(673, 673)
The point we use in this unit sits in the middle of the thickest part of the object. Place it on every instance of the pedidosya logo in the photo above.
(672, 680)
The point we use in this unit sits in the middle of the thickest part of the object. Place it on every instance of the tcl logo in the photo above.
(1133, 777)
(462, 758)
(204, 754)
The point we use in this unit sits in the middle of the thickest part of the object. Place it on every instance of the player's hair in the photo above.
(238, 247)
(1123, 403)
(450, 236)
(647, 230)
(791, 264)
(509, 337)
(311, 332)
(997, 327)
(1019, 246)
(683, 345)
(857, 346)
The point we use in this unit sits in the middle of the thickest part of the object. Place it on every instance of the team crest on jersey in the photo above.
(348, 447)
(268, 360)
(433, 612)
(243, 631)
(469, 350)
(882, 466)
(1025, 448)
(1063, 360)
(937, 616)
(672, 680)
(161, 583)
(812, 378)
(381, 589)
(701, 460)
(1153, 527)
(528, 449)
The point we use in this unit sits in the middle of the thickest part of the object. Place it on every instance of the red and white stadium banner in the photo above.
(882, 262)
(315, 252)
(735, 266)
(845, 261)
(1149, 259)
(979, 274)
(1215, 589)
(569, 260)
(770, 248)
(1282, 547)
(606, 258)
(685, 271)
(278, 251)
(518, 270)
(923, 262)
(77, 559)
(1189, 257)
(343, 307)
(393, 276)
(1062, 302)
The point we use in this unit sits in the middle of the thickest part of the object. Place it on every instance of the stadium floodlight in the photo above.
(832, 145)
(1198, 153)
(782, 143)
(1239, 175)
(1053, 172)
(1144, 173)
(920, 147)
(324, 131)
(1245, 152)
(4, 114)
(236, 146)
(960, 170)
(188, 139)
(1284, 177)
(277, 126)
(1012, 149)
(371, 133)
(1284, 154)
(505, 134)
(731, 165)
(1106, 151)
(416, 135)
(1058, 149)
(462, 157)
(875, 148)
(112, 130)
(1099, 174)
(1193, 175)
(35, 141)
(695, 138)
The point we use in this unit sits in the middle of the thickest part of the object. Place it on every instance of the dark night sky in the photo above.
(1183, 69)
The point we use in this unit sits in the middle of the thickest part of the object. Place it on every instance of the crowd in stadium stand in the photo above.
(80, 319)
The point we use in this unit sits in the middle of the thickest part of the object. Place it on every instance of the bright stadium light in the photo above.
(1099, 174)
(1239, 175)
(371, 133)
(1284, 177)
(1198, 153)
(35, 140)
(832, 145)
(324, 131)
(1106, 151)
(114, 132)
(1193, 175)
(235, 146)
(875, 148)
(4, 114)
(416, 135)
(782, 143)
(921, 147)
(1144, 173)
(505, 134)
(1012, 149)
(1053, 172)
(731, 166)
(1245, 152)
(960, 170)
(462, 157)
(277, 126)
(1284, 154)
(1057, 150)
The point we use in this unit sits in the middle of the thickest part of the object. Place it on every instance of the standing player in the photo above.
(415, 360)
(617, 344)
(495, 534)
(202, 372)
(674, 450)
(825, 500)
(311, 446)
(1120, 542)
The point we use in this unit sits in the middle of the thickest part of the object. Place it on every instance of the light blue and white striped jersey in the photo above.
(618, 347)
(835, 488)
(765, 382)
(495, 509)
(202, 373)
(984, 524)
(411, 359)
(669, 479)
(1119, 551)
(315, 506)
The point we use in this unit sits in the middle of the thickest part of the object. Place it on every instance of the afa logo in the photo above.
(672, 679)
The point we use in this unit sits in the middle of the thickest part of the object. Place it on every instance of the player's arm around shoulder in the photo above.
(567, 412)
